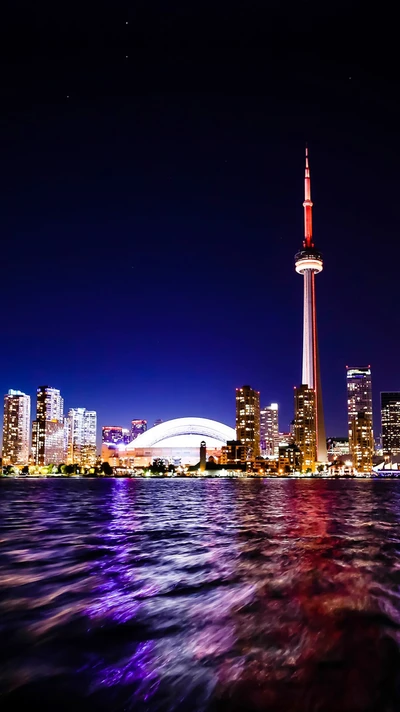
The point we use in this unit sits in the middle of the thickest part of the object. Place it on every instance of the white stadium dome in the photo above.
(183, 433)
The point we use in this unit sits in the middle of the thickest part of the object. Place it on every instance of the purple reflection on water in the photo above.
(200, 596)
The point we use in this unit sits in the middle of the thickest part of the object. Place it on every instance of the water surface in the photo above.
(189, 595)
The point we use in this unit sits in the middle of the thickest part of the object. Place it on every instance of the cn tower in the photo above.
(309, 263)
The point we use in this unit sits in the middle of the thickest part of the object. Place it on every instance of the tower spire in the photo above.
(308, 241)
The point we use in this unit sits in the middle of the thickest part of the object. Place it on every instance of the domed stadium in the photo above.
(178, 441)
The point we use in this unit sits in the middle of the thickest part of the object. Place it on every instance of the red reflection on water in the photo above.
(313, 639)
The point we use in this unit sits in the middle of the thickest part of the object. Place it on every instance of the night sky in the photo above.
(151, 204)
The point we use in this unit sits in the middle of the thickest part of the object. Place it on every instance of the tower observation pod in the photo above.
(308, 263)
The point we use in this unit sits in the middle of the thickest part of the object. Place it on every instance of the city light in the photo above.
(55, 444)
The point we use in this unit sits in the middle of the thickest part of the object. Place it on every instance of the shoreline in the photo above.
(203, 477)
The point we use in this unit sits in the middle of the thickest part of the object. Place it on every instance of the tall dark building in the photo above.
(48, 428)
(138, 427)
(390, 415)
(248, 420)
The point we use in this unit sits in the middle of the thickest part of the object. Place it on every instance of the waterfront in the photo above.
(195, 595)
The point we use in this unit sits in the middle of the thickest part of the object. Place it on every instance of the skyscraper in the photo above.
(269, 430)
(16, 428)
(248, 420)
(359, 400)
(48, 428)
(362, 442)
(81, 439)
(390, 415)
(138, 427)
(304, 426)
(359, 391)
(308, 264)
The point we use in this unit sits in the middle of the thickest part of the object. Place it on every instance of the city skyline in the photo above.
(310, 365)
(308, 262)
(205, 388)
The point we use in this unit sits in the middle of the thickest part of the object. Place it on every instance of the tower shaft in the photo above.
(309, 345)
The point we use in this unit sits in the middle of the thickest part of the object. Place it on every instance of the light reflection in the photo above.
(201, 595)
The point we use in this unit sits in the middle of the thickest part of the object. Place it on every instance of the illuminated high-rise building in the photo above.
(16, 428)
(362, 442)
(112, 434)
(359, 391)
(304, 426)
(269, 430)
(359, 400)
(126, 436)
(308, 264)
(137, 428)
(390, 415)
(48, 428)
(81, 439)
(248, 420)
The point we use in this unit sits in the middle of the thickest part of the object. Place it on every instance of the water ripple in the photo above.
(200, 596)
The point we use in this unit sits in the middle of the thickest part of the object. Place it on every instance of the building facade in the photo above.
(390, 418)
(362, 442)
(48, 428)
(359, 400)
(233, 453)
(138, 427)
(248, 420)
(269, 430)
(305, 434)
(112, 434)
(16, 428)
(359, 392)
(308, 263)
(338, 447)
(289, 459)
(81, 438)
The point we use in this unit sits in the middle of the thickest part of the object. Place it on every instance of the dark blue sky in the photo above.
(149, 221)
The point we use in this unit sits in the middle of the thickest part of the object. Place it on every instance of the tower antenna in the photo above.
(308, 241)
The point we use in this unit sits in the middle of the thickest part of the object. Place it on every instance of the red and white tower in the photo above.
(308, 264)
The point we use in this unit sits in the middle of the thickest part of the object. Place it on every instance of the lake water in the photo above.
(189, 595)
